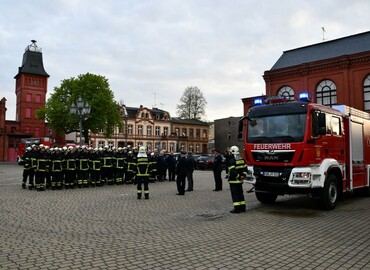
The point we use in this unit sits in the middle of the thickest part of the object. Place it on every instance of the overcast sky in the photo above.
(151, 50)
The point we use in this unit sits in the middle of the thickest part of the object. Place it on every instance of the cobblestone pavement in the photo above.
(108, 228)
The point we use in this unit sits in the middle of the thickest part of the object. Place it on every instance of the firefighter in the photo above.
(26, 160)
(33, 155)
(130, 165)
(70, 175)
(48, 172)
(63, 154)
(143, 169)
(120, 166)
(83, 167)
(42, 166)
(56, 168)
(153, 162)
(237, 173)
(94, 159)
(106, 166)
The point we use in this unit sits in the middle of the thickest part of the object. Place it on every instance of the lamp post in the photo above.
(82, 108)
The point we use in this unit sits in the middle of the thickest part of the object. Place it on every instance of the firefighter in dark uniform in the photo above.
(42, 166)
(143, 169)
(70, 175)
(48, 172)
(106, 166)
(56, 168)
(33, 155)
(130, 168)
(120, 166)
(83, 167)
(153, 162)
(63, 153)
(237, 173)
(27, 168)
(94, 159)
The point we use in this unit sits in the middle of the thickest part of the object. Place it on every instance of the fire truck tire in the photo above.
(366, 191)
(330, 193)
(266, 198)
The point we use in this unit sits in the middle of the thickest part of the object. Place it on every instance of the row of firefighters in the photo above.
(72, 167)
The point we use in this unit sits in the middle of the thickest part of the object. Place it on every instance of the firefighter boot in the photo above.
(235, 211)
(24, 185)
(146, 196)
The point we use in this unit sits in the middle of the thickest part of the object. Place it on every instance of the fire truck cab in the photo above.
(299, 147)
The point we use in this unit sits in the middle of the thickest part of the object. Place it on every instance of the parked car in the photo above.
(205, 162)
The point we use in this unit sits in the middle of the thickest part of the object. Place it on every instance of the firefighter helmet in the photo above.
(142, 149)
(234, 150)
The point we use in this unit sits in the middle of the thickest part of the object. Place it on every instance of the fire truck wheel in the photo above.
(266, 198)
(366, 191)
(330, 193)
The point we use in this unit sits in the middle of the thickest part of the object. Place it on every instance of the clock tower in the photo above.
(30, 89)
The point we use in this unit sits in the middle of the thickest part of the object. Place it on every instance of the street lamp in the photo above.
(82, 108)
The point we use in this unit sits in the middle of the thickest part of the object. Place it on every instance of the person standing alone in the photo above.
(190, 165)
(181, 174)
(143, 170)
(217, 169)
(237, 174)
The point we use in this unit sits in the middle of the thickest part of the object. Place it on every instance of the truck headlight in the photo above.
(301, 178)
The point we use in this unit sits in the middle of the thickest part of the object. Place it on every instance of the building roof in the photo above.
(330, 49)
(188, 121)
(32, 61)
(132, 111)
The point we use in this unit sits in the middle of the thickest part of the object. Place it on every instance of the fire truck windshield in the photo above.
(276, 128)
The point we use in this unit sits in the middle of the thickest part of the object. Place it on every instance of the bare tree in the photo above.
(192, 104)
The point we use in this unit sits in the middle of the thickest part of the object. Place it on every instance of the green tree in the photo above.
(192, 104)
(93, 89)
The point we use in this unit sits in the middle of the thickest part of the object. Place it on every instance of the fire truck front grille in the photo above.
(284, 157)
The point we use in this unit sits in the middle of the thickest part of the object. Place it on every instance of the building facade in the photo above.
(152, 128)
(332, 72)
(155, 129)
(226, 133)
(30, 89)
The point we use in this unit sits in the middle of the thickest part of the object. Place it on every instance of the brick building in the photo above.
(332, 72)
(153, 128)
(30, 89)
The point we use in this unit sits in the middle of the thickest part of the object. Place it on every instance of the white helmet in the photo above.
(142, 149)
(70, 147)
(41, 145)
(28, 148)
(65, 148)
(234, 150)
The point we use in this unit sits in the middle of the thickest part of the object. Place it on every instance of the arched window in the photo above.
(326, 93)
(286, 92)
(367, 93)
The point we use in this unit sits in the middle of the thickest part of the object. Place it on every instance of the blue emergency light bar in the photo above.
(303, 96)
(257, 101)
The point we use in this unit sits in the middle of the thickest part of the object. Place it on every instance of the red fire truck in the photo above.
(299, 147)
(31, 141)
